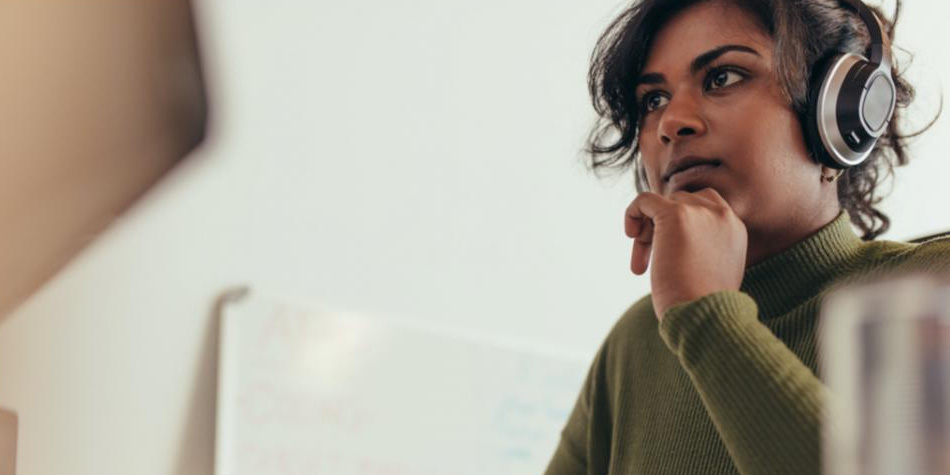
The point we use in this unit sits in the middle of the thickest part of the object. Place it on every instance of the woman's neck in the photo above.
(765, 242)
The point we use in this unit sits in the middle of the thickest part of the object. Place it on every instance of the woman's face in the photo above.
(710, 101)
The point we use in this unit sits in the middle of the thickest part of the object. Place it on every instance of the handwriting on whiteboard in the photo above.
(305, 392)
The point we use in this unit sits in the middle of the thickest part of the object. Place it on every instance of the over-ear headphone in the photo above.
(851, 99)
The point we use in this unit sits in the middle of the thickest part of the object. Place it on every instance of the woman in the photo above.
(715, 371)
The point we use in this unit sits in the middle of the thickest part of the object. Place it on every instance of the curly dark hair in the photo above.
(804, 32)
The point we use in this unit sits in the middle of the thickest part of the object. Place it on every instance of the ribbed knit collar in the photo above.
(787, 279)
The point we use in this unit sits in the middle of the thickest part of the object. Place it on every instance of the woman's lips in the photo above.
(692, 175)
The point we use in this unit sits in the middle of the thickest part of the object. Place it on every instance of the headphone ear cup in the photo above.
(846, 92)
(819, 77)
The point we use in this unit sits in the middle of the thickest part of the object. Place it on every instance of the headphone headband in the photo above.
(879, 51)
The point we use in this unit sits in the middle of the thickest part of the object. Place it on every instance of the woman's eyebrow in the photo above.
(698, 64)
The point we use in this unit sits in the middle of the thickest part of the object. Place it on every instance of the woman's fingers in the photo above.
(692, 242)
(644, 209)
(632, 226)
(642, 245)
(638, 225)
(647, 205)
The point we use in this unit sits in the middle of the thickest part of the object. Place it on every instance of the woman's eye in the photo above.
(723, 78)
(653, 102)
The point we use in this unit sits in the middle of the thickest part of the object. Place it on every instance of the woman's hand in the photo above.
(698, 245)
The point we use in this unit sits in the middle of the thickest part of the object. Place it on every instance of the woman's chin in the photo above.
(692, 186)
(694, 179)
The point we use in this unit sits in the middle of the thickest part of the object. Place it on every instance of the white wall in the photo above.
(413, 159)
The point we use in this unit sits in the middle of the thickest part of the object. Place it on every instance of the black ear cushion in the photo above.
(819, 75)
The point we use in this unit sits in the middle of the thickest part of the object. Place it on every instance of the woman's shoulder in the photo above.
(927, 251)
(928, 255)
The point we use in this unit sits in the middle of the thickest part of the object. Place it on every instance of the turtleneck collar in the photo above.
(785, 280)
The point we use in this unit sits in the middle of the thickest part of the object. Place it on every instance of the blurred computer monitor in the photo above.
(8, 432)
(98, 100)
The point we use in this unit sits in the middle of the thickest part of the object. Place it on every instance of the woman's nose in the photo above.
(681, 118)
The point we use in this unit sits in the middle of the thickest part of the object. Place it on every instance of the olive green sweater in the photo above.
(727, 382)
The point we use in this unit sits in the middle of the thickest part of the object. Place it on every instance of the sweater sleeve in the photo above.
(765, 403)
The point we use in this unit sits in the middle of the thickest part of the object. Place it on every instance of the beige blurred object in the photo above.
(886, 347)
(98, 100)
(8, 428)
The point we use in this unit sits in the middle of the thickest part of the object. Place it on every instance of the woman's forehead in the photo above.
(700, 28)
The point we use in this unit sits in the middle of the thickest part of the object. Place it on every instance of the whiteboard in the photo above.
(304, 390)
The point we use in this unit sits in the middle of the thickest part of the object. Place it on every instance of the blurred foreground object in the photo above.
(8, 430)
(887, 364)
(98, 100)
